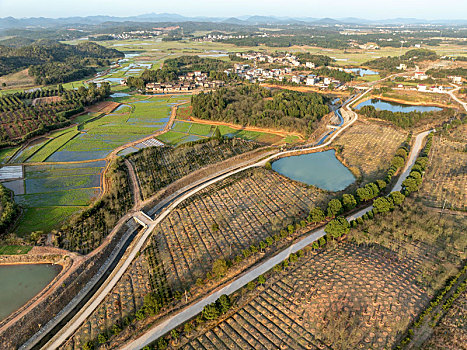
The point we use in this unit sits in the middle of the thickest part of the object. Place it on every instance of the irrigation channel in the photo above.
(61, 327)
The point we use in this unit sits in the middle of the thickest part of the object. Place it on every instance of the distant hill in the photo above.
(10, 22)
(53, 62)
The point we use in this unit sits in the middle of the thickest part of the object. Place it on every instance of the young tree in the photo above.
(224, 303)
(219, 268)
(210, 312)
(337, 227)
(317, 215)
(349, 201)
(334, 208)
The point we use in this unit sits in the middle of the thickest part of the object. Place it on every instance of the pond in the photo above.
(20, 283)
(396, 107)
(362, 71)
(320, 169)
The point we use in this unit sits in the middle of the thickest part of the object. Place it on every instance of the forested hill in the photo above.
(252, 105)
(52, 62)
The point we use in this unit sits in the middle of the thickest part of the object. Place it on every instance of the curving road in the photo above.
(190, 311)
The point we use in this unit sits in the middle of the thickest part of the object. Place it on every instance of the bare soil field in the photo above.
(103, 107)
(367, 148)
(46, 100)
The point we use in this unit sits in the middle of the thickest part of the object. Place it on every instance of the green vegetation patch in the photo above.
(44, 219)
(171, 137)
(45, 152)
(14, 249)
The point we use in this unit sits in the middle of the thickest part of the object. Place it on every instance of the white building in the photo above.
(420, 76)
(310, 65)
(312, 80)
(296, 79)
(402, 66)
(456, 80)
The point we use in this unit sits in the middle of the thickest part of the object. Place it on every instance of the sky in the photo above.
(374, 9)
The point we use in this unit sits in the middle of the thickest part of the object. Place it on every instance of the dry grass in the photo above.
(445, 181)
(369, 147)
(17, 80)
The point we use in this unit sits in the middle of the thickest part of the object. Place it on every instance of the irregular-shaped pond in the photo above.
(320, 169)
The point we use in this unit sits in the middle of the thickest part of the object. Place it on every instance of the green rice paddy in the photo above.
(54, 192)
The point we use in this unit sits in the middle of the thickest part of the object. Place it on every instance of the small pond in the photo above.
(362, 71)
(20, 283)
(396, 107)
(320, 169)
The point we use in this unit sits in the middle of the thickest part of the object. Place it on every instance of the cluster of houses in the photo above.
(286, 60)
(254, 74)
(188, 82)
(314, 80)
(216, 37)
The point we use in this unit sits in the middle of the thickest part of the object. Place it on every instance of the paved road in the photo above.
(250, 275)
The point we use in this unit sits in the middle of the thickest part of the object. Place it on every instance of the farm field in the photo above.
(446, 178)
(342, 56)
(247, 208)
(159, 167)
(131, 121)
(367, 148)
(348, 297)
(50, 194)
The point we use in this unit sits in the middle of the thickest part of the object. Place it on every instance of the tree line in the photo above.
(404, 120)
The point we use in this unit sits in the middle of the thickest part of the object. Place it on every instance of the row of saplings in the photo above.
(335, 228)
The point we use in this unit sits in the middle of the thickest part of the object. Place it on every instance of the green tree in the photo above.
(211, 312)
(317, 215)
(349, 201)
(223, 303)
(410, 185)
(398, 162)
(261, 279)
(152, 303)
(381, 184)
(383, 204)
(397, 198)
(219, 268)
(334, 208)
(88, 346)
(337, 227)
(102, 338)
